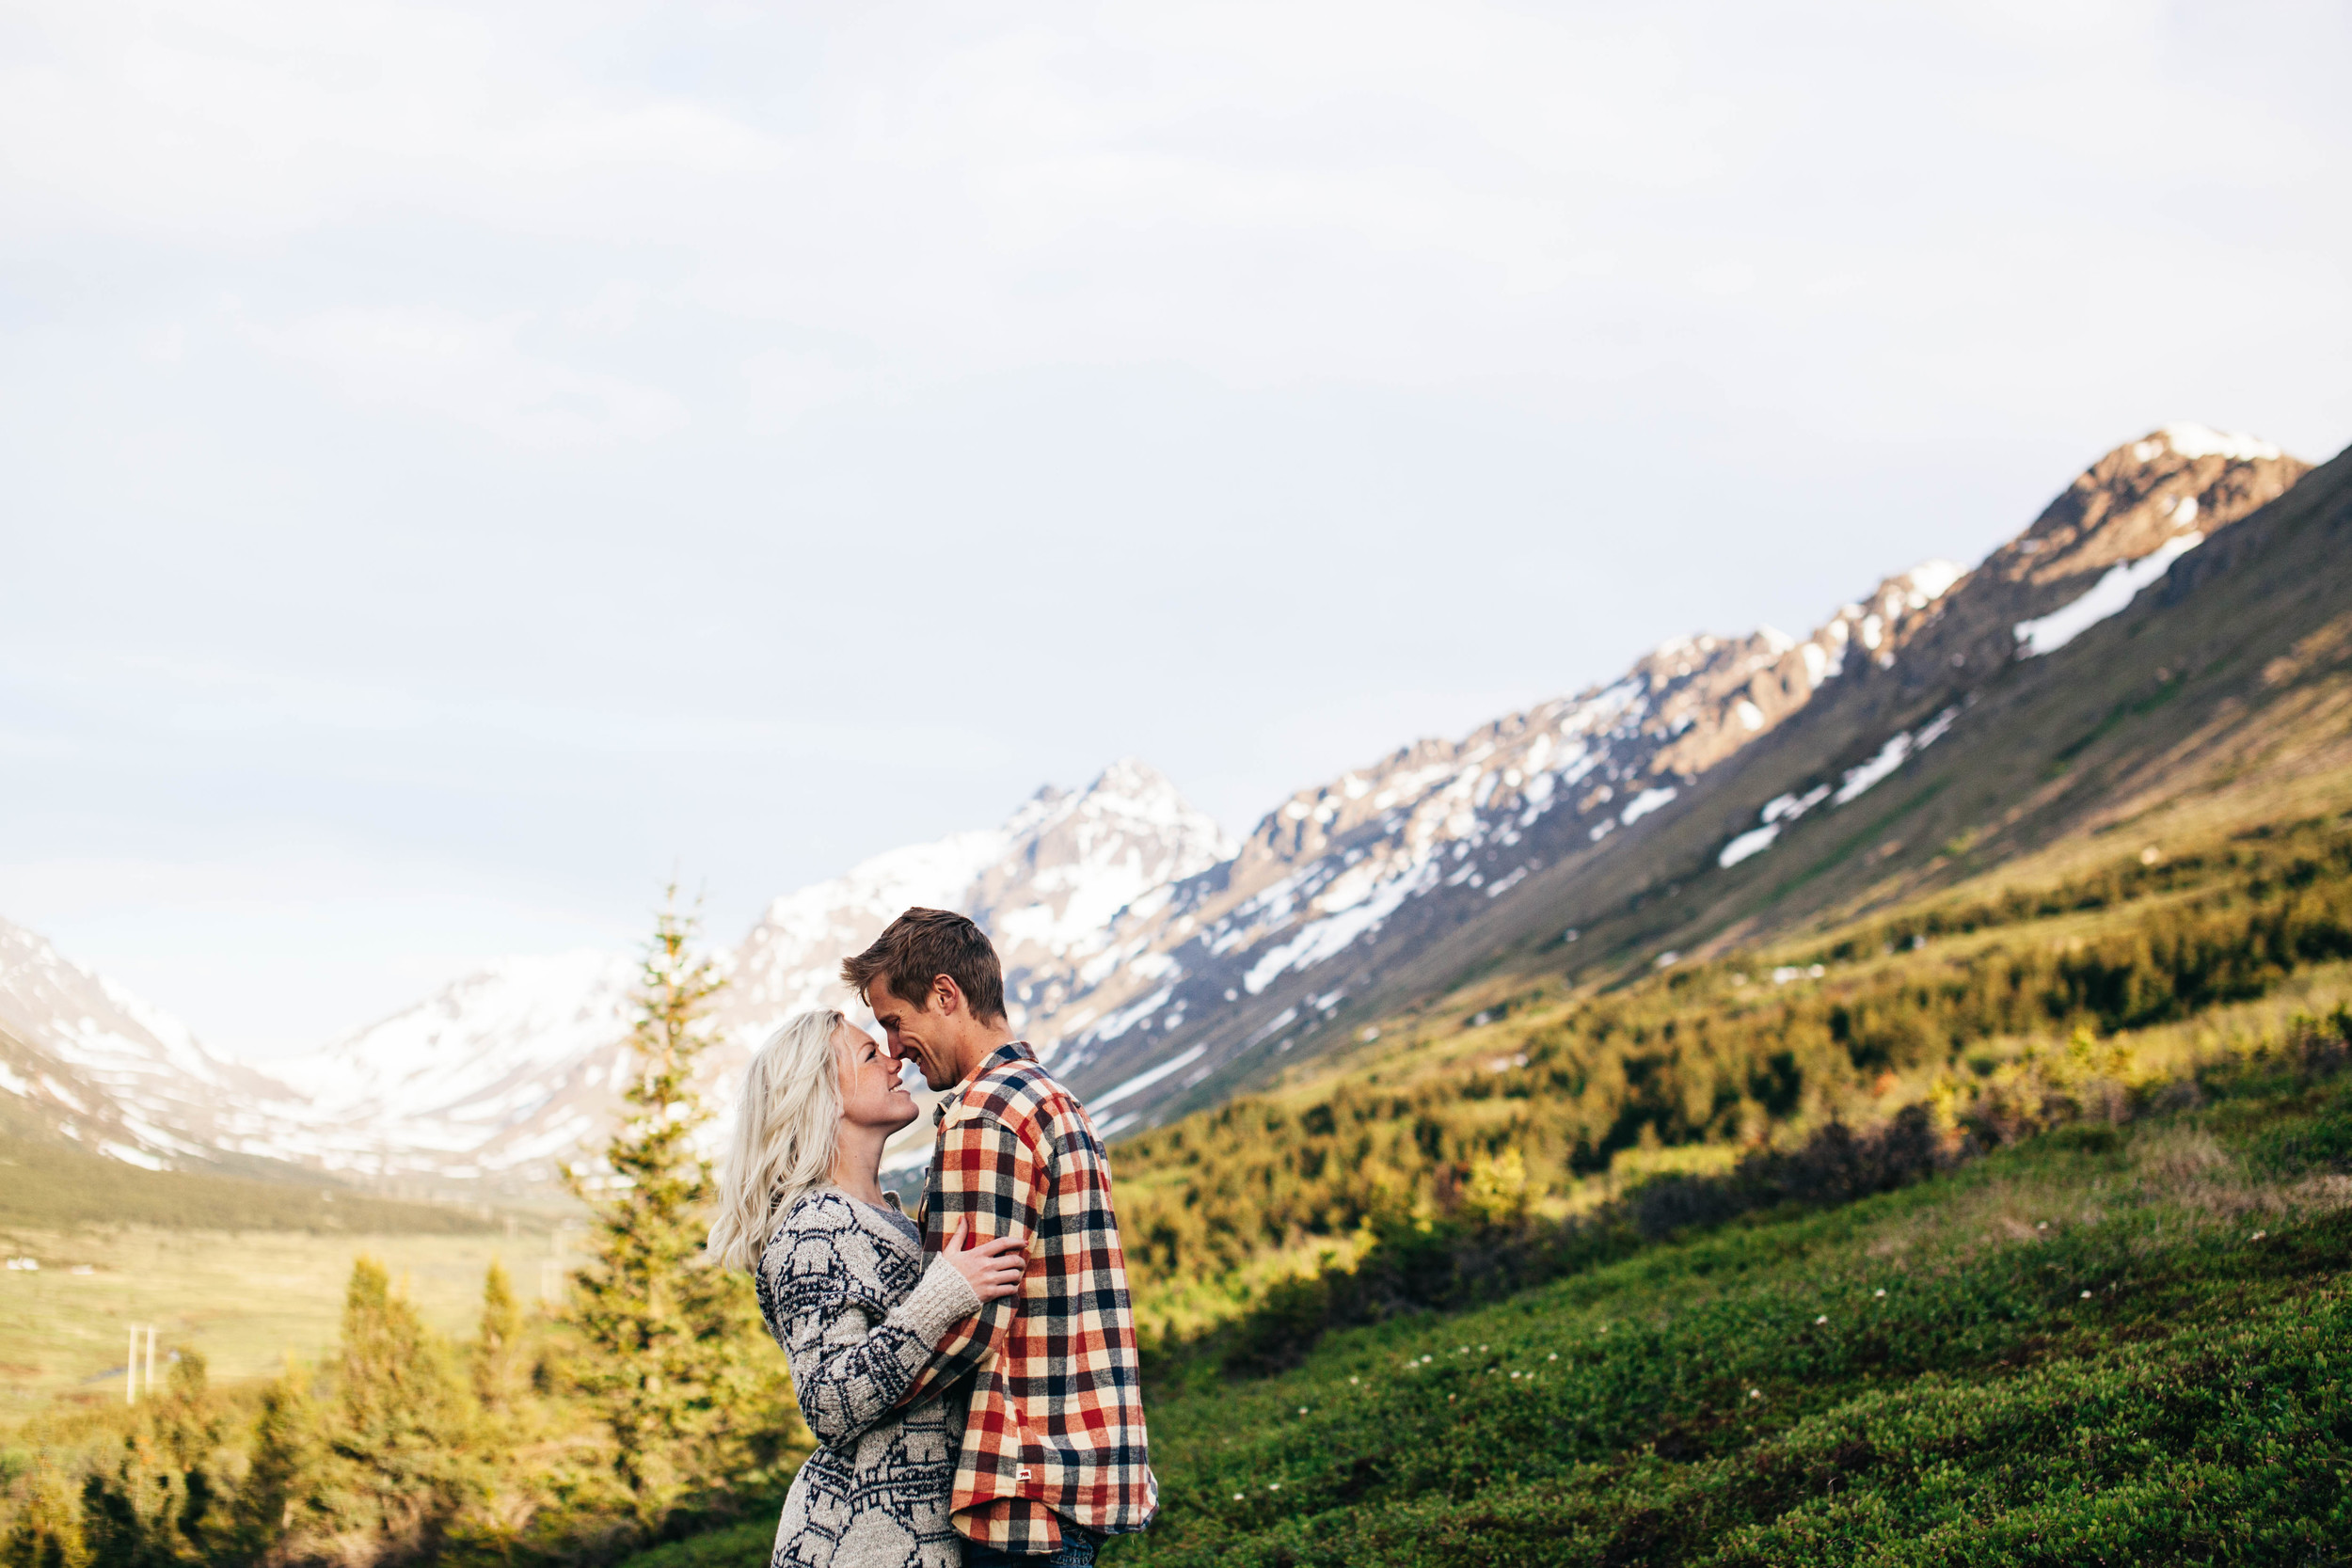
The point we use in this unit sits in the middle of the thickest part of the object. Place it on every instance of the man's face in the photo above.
(916, 1035)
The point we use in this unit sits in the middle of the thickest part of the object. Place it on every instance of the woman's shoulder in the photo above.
(826, 1234)
(815, 1218)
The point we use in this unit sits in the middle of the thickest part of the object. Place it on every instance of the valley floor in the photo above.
(246, 1300)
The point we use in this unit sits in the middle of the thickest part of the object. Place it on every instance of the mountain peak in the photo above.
(2193, 441)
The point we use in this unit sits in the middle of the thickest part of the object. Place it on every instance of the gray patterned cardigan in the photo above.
(846, 1294)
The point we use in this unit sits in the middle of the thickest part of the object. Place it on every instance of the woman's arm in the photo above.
(849, 1367)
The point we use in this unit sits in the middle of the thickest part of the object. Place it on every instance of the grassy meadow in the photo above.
(2103, 1345)
(245, 1300)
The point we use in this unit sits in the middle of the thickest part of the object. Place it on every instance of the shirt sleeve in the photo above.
(851, 1366)
(987, 1176)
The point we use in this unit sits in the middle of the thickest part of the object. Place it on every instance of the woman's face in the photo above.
(871, 1095)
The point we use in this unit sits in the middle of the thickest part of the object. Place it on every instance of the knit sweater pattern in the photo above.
(847, 1296)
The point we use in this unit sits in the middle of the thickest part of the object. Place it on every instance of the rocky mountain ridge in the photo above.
(1155, 961)
(1340, 888)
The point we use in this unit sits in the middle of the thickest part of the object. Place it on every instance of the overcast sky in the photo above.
(463, 462)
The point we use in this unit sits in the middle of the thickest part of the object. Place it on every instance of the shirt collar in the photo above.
(1004, 1056)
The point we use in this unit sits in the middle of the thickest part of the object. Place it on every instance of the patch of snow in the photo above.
(1933, 730)
(2111, 595)
(1144, 1080)
(1127, 1018)
(1150, 966)
(1890, 756)
(1935, 577)
(1793, 806)
(1321, 939)
(2196, 440)
(1754, 842)
(1645, 803)
(1288, 1017)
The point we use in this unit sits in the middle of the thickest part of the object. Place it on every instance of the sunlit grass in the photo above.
(245, 1300)
(2056, 1354)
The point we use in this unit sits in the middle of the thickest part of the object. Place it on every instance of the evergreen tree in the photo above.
(155, 1503)
(397, 1447)
(47, 1529)
(498, 1352)
(671, 1343)
(282, 1473)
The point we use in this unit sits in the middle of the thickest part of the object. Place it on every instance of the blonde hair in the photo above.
(787, 1125)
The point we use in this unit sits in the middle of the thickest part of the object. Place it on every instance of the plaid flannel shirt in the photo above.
(1055, 1431)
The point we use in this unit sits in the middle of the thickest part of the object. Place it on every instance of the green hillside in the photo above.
(2106, 1344)
(2100, 1346)
(1555, 1098)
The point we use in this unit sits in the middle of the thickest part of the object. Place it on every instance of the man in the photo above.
(1053, 1455)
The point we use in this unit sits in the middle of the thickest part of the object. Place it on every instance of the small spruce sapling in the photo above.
(499, 1366)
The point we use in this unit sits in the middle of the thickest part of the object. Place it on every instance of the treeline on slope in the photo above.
(52, 1186)
(1719, 1053)
(1479, 1254)
(651, 1406)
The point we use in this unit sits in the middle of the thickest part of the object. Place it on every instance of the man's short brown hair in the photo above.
(922, 944)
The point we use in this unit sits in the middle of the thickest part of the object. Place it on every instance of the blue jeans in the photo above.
(1078, 1550)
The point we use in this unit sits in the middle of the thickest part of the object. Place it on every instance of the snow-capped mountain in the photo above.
(1153, 960)
(108, 1069)
(1345, 888)
(1046, 885)
(506, 1069)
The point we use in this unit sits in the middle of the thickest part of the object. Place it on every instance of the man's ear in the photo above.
(946, 994)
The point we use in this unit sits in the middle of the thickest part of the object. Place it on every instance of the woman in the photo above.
(843, 1285)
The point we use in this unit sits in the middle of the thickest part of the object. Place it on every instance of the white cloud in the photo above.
(474, 371)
